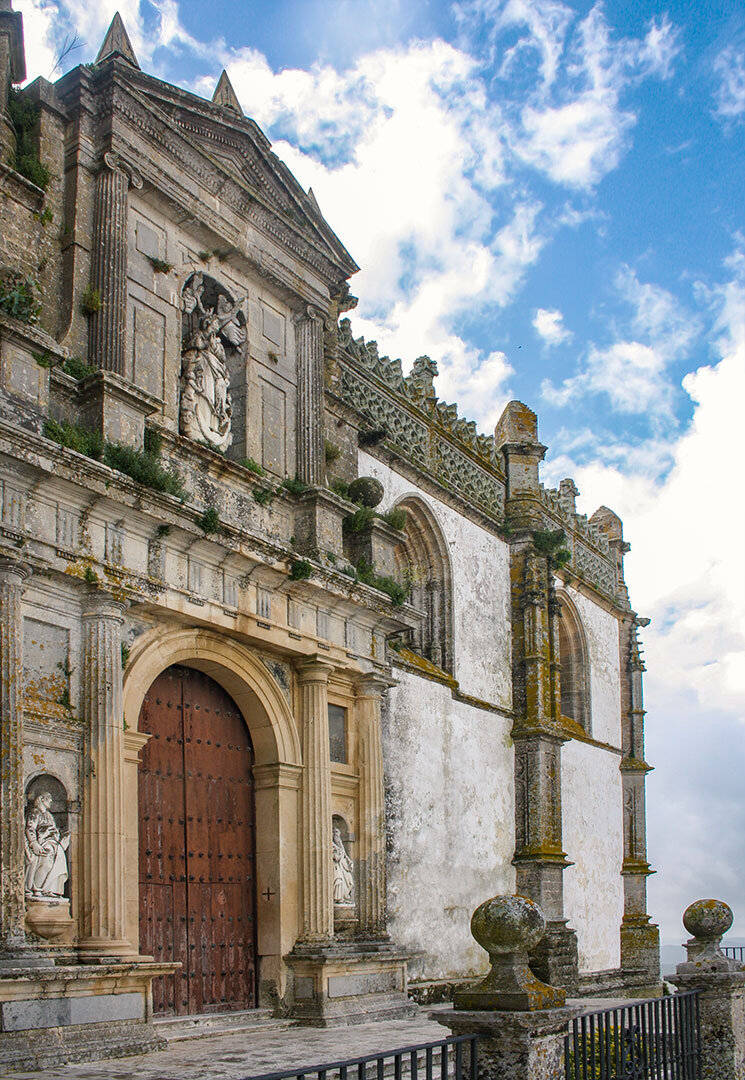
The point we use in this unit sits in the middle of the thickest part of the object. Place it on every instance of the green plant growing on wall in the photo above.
(24, 116)
(19, 296)
(396, 518)
(160, 266)
(263, 496)
(253, 466)
(90, 576)
(125, 654)
(90, 301)
(549, 542)
(45, 216)
(143, 466)
(359, 521)
(300, 570)
(209, 522)
(332, 452)
(294, 485)
(395, 591)
(340, 487)
(77, 368)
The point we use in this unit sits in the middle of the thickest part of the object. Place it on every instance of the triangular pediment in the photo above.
(117, 43)
(237, 145)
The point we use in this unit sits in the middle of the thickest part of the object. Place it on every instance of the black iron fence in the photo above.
(447, 1059)
(644, 1040)
(734, 952)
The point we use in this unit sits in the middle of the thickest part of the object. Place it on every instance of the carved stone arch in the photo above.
(423, 561)
(241, 674)
(575, 665)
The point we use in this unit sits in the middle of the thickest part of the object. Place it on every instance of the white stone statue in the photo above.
(46, 859)
(343, 872)
(205, 408)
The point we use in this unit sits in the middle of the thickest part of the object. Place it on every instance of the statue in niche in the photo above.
(46, 848)
(343, 872)
(214, 327)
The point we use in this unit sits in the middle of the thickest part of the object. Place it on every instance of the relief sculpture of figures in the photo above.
(46, 859)
(343, 872)
(212, 323)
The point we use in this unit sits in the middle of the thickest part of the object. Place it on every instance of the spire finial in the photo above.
(117, 43)
(225, 95)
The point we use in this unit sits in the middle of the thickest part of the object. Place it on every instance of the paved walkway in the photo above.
(234, 1056)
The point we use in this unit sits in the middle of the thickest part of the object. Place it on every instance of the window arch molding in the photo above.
(574, 661)
(423, 561)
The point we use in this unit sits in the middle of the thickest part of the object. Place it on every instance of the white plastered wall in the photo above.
(481, 590)
(450, 801)
(592, 801)
(449, 766)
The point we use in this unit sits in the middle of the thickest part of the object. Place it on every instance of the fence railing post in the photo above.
(721, 985)
(521, 1022)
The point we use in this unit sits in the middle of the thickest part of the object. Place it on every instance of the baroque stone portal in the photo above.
(46, 858)
(213, 327)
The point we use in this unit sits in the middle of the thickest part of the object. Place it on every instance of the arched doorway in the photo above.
(197, 845)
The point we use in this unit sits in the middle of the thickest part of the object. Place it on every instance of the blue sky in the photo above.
(547, 198)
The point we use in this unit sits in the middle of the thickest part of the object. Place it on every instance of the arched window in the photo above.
(422, 562)
(575, 670)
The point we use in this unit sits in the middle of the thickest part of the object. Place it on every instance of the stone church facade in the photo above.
(297, 668)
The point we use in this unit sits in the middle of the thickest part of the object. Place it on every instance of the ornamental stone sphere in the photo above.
(366, 490)
(508, 924)
(708, 919)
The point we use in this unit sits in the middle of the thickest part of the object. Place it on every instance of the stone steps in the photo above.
(210, 1025)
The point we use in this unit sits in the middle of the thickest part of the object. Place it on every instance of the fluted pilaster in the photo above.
(107, 331)
(12, 909)
(310, 441)
(318, 906)
(372, 906)
(103, 799)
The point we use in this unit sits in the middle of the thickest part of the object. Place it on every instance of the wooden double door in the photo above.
(197, 845)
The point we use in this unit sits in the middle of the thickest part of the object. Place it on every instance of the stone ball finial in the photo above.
(505, 924)
(508, 927)
(366, 490)
(708, 919)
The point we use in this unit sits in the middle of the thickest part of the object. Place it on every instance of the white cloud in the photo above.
(729, 98)
(549, 325)
(633, 371)
(685, 519)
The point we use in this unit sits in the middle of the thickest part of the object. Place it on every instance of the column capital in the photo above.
(13, 571)
(372, 684)
(116, 163)
(314, 669)
(308, 313)
(102, 605)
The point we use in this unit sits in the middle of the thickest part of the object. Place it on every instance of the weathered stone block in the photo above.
(116, 408)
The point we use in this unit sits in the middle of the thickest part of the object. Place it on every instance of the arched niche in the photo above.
(423, 563)
(575, 668)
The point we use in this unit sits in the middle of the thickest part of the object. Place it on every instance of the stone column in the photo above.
(539, 858)
(12, 859)
(318, 891)
(371, 846)
(310, 441)
(720, 983)
(640, 938)
(102, 870)
(107, 329)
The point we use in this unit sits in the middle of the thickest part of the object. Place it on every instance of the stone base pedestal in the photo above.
(722, 1017)
(318, 523)
(554, 960)
(116, 408)
(377, 546)
(348, 983)
(514, 1045)
(54, 1015)
(640, 948)
(49, 919)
